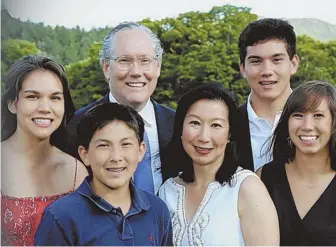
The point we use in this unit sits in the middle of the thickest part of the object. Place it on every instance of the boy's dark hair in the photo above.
(306, 97)
(17, 74)
(175, 155)
(266, 29)
(101, 115)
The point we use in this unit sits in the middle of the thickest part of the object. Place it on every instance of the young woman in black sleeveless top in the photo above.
(301, 178)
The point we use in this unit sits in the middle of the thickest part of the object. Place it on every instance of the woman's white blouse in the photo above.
(216, 221)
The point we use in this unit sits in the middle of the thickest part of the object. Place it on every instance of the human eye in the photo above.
(145, 60)
(216, 125)
(277, 60)
(318, 115)
(125, 60)
(32, 97)
(255, 61)
(127, 144)
(194, 122)
(297, 115)
(102, 145)
(56, 98)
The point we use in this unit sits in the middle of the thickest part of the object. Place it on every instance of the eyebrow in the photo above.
(258, 57)
(218, 118)
(36, 92)
(102, 140)
(106, 140)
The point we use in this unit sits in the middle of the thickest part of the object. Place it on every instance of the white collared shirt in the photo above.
(148, 115)
(260, 132)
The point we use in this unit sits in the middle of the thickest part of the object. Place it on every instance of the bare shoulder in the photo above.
(72, 164)
(251, 186)
(7, 150)
(257, 213)
(253, 195)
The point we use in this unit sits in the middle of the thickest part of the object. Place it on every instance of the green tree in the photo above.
(317, 61)
(13, 50)
(86, 79)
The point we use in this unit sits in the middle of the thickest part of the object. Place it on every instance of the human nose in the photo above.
(204, 134)
(135, 70)
(267, 68)
(308, 123)
(115, 155)
(44, 105)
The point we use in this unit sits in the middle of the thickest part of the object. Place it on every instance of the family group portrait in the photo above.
(211, 127)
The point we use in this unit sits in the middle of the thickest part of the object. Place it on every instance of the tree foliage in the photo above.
(199, 48)
(12, 50)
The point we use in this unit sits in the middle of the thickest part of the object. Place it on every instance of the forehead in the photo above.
(209, 109)
(267, 48)
(310, 103)
(114, 131)
(324, 105)
(133, 42)
(42, 80)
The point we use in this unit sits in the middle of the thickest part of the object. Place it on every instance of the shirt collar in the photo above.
(139, 197)
(252, 116)
(146, 113)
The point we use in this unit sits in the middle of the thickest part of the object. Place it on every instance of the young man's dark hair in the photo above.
(97, 118)
(266, 29)
(107, 208)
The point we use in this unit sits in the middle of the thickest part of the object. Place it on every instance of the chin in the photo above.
(118, 185)
(43, 137)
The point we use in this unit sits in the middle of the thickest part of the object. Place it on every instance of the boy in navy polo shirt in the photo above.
(107, 209)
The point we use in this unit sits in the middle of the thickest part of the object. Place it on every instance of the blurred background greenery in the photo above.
(199, 48)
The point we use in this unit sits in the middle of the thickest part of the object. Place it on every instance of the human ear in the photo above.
(242, 70)
(106, 69)
(12, 107)
(142, 151)
(83, 153)
(294, 64)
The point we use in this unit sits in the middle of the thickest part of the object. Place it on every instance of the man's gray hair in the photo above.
(106, 49)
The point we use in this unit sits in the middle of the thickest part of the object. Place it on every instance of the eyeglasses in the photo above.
(127, 62)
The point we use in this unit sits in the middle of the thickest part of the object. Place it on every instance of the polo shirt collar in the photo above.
(139, 197)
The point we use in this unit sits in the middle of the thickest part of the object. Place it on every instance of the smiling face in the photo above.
(135, 86)
(311, 131)
(113, 155)
(268, 69)
(205, 132)
(39, 106)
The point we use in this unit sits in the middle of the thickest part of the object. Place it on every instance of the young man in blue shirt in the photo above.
(107, 209)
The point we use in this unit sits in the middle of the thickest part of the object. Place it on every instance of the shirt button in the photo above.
(114, 211)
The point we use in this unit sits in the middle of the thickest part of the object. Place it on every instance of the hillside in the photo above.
(199, 48)
(314, 28)
(68, 45)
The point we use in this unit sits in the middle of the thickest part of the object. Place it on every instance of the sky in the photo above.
(102, 13)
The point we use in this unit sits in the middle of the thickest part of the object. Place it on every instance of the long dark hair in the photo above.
(175, 155)
(17, 73)
(304, 98)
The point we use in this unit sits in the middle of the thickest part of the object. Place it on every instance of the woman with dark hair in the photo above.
(301, 178)
(35, 109)
(213, 201)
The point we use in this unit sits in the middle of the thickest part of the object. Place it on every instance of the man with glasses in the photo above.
(131, 56)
